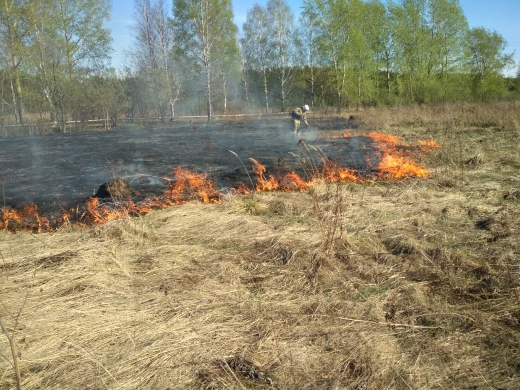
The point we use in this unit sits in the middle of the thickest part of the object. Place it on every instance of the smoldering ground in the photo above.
(57, 171)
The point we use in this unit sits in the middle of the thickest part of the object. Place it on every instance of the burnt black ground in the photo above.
(58, 171)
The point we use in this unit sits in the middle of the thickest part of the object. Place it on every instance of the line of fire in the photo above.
(386, 157)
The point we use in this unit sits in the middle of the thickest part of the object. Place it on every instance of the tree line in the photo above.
(189, 59)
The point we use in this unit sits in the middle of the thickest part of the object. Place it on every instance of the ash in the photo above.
(59, 171)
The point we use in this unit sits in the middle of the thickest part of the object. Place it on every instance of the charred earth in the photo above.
(58, 171)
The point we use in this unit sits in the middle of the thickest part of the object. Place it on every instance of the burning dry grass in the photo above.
(386, 157)
(396, 284)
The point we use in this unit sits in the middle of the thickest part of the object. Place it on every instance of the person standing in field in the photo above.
(299, 114)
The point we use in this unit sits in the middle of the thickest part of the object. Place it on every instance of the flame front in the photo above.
(394, 160)
(27, 218)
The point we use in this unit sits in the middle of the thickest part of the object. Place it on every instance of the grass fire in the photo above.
(378, 257)
(387, 158)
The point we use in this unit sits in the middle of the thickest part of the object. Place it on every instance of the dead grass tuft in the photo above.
(117, 189)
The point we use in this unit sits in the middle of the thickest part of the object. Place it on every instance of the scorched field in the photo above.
(374, 252)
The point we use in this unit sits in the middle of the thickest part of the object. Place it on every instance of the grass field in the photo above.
(397, 284)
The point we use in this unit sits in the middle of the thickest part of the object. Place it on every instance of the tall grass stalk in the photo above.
(12, 344)
(247, 172)
(329, 209)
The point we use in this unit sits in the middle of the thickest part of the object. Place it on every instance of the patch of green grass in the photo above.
(371, 291)
(295, 219)
(254, 207)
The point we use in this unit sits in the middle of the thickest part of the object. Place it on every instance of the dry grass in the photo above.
(421, 290)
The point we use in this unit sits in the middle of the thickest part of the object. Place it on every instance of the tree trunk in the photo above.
(208, 92)
(388, 82)
(313, 92)
(16, 91)
(246, 89)
(225, 95)
(359, 91)
(266, 93)
(172, 110)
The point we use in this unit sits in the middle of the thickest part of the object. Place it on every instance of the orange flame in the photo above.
(393, 163)
(241, 190)
(428, 146)
(263, 185)
(334, 173)
(28, 218)
(293, 182)
(398, 167)
(395, 160)
(99, 214)
(190, 186)
(288, 183)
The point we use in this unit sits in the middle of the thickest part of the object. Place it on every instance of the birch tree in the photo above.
(382, 41)
(68, 43)
(166, 41)
(487, 62)
(283, 40)
(334, 40)
(14, 33)
(308, 54)
(411, 35)
(256, 46)
(84, 40)
(360, 56)
(204, 29)
(152, 54)
(487, 52)
(229, 68)
(448, 30)
(430, 42)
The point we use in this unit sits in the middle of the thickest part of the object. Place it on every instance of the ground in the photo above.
(58, 171)
(395, 284)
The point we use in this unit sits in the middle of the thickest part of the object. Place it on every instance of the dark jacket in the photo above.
(299, 114)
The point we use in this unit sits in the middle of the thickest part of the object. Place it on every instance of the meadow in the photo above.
(410, 283)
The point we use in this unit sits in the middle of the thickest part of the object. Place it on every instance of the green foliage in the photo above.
(343, 54)
(486, 52)
(55, 43)
(206, 36)
(515, 84)
(489, 88)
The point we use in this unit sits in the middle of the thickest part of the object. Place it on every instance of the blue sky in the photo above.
(499, 15)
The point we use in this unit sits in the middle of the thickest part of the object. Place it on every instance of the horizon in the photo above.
(501, 17)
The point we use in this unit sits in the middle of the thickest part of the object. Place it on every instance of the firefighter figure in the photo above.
(299, 114)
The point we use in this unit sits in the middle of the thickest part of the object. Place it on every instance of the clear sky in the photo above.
(499, 15)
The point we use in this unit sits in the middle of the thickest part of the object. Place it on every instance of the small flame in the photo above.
(334, 173)
(263, 184)
(241, 190)
(396, 157)
(190, 186)
(428, 145)
(398, 167)
(99, 214)
(27, 218)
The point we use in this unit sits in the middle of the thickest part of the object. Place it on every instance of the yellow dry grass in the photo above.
(419, 290)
